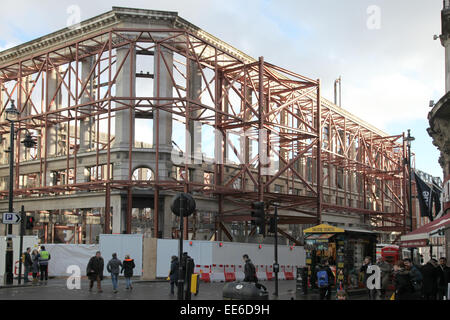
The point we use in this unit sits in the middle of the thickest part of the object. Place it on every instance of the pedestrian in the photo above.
(443, 278)
(430, 275)
(188, 266)
(44, 257)
(325, 279)
(28, 264)
(94, 271)
(127, 269)
(173, 274)
(366, 264)
(249, 270)
(386, 274)
(416, 278)
(113, 267)
(404, 289)
(35, 266)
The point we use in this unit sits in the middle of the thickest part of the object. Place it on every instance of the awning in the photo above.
(421, 235)
(324, 228)
(320, 237)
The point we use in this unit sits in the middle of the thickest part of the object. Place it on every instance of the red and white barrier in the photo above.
(230, 273)
(261, 272)
(269, 273)
(217, 273)
(240, 275)
(288, 272)
(204, 272)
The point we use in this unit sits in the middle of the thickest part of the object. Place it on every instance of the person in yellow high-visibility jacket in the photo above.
(44, 257)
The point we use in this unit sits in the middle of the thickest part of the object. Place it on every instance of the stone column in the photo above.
(87, 124)
(125, 87)
(164, 81)
(195, 127)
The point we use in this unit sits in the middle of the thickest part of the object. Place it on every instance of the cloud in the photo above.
(389, 74)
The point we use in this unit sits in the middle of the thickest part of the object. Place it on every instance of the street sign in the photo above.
(11, 218)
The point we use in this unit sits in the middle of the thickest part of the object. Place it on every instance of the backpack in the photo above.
(322, 278)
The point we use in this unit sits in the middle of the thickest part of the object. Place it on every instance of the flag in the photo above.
(437, 199)
(425, 195)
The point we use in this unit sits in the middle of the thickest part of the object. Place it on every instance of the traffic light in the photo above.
(272, 225)
(259, 215)
(30, 223)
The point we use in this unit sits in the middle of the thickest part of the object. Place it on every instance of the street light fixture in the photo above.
(12, 115)
(408, 140)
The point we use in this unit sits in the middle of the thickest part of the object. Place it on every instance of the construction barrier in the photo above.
(230, 273)
(217, 273)
(269, 273)
(204, 272)
(261, 272)
(288, 272)
(240, 275)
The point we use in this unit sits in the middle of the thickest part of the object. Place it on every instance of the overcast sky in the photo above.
(384, 50)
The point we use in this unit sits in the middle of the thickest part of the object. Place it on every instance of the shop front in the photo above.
(428, 241)
(345, 250)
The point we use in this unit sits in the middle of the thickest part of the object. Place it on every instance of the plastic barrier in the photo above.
(261, 272)
(281, 274)
(269, 273)
(240, 275)
(217, 273)
(288, 272)
(230, 273)
(204, 272)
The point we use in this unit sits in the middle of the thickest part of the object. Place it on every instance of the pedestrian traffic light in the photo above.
(30, 223)
(272, 225)
(259, 215)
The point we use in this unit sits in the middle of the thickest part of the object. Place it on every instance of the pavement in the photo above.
(57, 289)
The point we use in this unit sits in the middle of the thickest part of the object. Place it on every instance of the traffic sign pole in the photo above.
(22, 227)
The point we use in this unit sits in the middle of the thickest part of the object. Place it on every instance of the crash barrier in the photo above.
(288, 272)
(204, 272)
(232, 273)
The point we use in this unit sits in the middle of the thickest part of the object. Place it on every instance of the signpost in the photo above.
(11, 218)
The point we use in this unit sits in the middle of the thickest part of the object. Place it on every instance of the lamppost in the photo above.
(409, 139)
(12, 115)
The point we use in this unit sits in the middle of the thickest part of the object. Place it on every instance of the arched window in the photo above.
(143, 174)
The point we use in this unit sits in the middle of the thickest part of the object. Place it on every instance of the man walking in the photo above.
(416, 278)
(28, 264)
(44, 257)
(249, 270)
(325, 279)
(173, 274)
(443, 278)
(430, 275)
(94, 271)
(113, 267)
(386, 272)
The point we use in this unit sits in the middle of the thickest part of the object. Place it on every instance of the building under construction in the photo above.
(133, 106)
